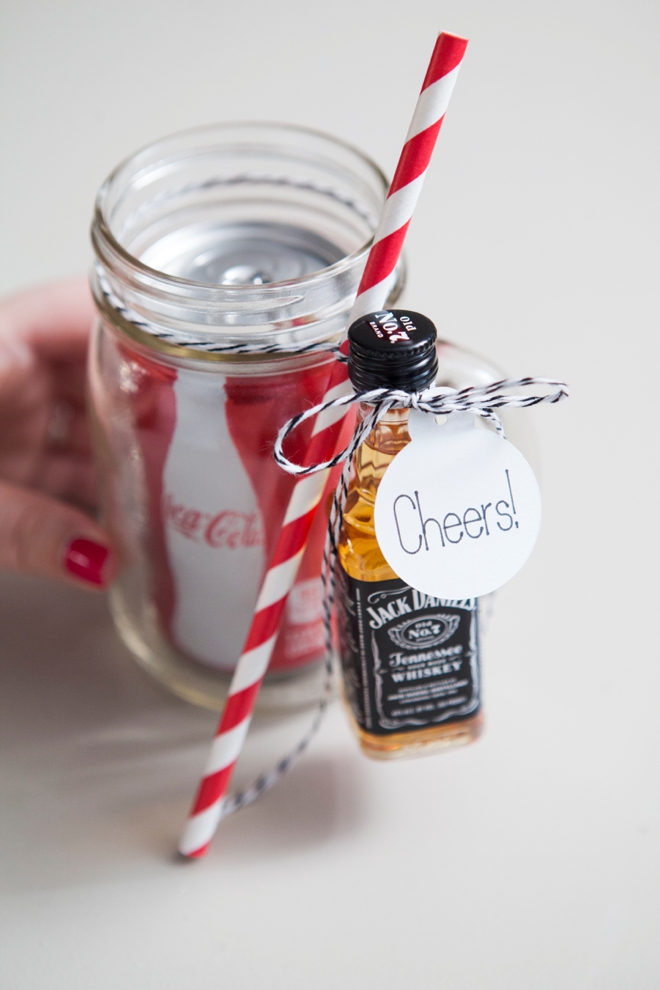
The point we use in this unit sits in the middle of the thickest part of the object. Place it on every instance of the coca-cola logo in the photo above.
(227, 528)
(234, 529)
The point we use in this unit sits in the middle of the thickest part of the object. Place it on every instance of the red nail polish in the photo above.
(85, 559)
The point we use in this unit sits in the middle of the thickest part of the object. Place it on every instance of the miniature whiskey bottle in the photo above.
(410, 662)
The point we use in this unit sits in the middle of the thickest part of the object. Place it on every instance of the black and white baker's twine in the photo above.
(482, 400)
(207, 343)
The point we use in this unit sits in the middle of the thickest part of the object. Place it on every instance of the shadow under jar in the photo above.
(228, 258)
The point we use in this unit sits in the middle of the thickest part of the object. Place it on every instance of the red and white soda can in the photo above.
(227, 262)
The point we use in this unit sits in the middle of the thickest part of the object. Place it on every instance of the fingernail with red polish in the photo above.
(85, 560)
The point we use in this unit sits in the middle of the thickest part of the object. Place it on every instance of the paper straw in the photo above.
(280, 577)
(262, 635)
(402, 197)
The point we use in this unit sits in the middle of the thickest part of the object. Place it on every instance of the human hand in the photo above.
(46, 470)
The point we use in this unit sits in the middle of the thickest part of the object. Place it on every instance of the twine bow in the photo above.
(482, 400)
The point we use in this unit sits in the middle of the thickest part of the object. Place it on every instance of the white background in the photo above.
(530, 860)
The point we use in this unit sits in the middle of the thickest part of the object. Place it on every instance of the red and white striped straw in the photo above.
(262, 635)
(280, 577)
(429, 114)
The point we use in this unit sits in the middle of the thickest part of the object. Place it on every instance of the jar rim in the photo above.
(247, 174)
(101, 225)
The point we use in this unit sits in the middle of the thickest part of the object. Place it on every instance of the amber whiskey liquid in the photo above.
(418, 654)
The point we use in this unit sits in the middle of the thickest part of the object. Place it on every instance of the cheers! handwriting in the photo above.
(417, 532)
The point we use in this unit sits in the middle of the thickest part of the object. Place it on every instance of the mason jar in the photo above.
(228, 258)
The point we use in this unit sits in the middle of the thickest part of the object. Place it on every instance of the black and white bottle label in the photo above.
(409, 661)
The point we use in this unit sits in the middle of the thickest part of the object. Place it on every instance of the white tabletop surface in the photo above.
(530, 861)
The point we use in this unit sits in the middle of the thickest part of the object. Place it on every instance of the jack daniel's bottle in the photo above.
(410, 662)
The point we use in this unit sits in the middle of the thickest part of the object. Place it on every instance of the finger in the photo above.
(69, 381)
(41, 536)
(44, 334)
(58, 473)
(67, 476)
(68, 430)
(53, 319)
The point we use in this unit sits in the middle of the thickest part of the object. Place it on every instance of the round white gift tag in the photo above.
(458, 510)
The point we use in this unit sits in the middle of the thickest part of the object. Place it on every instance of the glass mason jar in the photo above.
(228, 258)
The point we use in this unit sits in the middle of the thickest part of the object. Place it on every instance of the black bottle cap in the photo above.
(392, 349)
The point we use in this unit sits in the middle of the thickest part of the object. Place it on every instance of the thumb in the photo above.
(42, 536)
